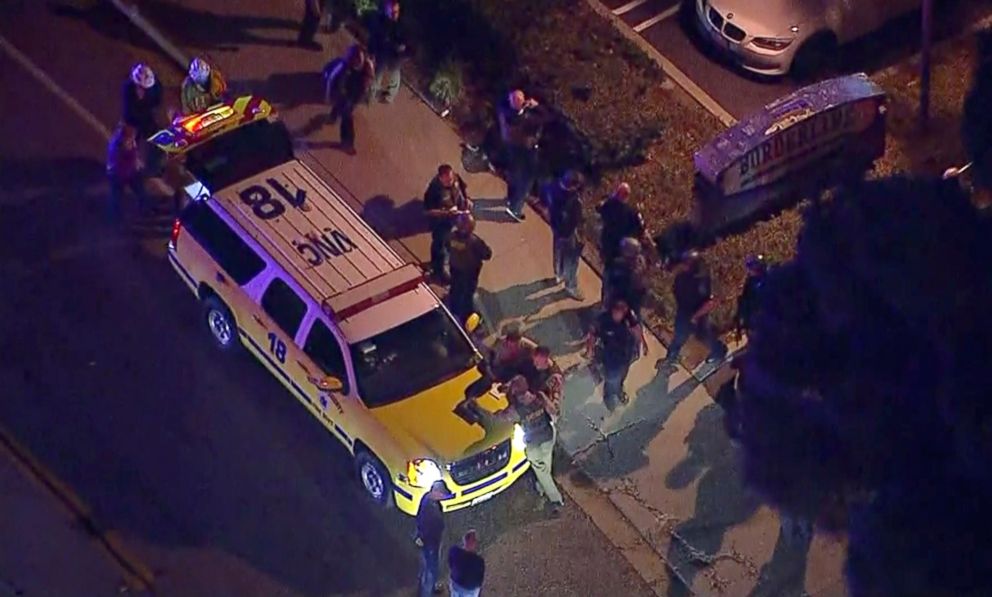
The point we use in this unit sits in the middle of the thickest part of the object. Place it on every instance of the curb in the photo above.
(680, 78)
(137, 576)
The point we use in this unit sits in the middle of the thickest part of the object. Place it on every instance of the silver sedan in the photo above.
(775, 37)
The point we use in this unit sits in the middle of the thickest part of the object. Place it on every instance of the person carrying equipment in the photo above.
(202, 88)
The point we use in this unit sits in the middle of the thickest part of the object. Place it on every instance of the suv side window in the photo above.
(323, 348)
(232, 254)
(284, 306)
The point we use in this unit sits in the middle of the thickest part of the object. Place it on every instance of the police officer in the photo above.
(757, 267)
(445, 198)
(468, 252)
(693, 303)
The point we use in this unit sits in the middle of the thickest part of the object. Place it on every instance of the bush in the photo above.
(446, 86)
(364, 7)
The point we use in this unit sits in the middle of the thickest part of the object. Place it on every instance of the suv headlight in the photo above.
(772, 43)
(519, 442)
(423, 472)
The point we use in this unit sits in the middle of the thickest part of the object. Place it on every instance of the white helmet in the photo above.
(143, 76)
(199, 71)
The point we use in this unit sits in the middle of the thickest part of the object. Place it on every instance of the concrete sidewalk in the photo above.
(663, 460)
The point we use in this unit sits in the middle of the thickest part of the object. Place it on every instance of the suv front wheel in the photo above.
(374, 478)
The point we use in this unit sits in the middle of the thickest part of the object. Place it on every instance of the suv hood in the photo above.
(427, 426)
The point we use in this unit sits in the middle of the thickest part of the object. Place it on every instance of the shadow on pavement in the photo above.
(518, 301)
(392, 222)
(286, 90)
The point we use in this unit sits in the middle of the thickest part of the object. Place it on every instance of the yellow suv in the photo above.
(286, 269)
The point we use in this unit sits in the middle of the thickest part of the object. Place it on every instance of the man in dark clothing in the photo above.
(620, 220)
(446, 197)
(124, 169)
(468, 252)
(614, 342)
(562, 198)
(430, 530)
(623, 278)
(747, 301)
(693, 303)
(309, 25)
(545, 378)
(511, 353)
(520, 123)
(467, 567)
(348, 79)
(141, 98)
(388, 46)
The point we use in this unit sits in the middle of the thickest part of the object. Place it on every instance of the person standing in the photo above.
(468, 252)
(348, 80)
(614, 342)
(693, 303)
(309, 25)
(620, 220)
(545, 378)
(203, 87)
(142, 96)
(511, 352)
(124, 169)
(747, 302)
(430, 530)
(624, 277)
(467, 567)
(446, 197)
(520, 123)
(530, 411)
(388, 46)
(565, 210)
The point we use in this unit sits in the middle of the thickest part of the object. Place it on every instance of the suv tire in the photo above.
(220, 324)
(374, 478)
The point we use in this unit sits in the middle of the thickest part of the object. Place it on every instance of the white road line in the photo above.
(656, 19)
(84, 114)
(628, 7)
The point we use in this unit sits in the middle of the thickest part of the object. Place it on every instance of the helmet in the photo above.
(143, 76)
(756, 263)
(199, 71)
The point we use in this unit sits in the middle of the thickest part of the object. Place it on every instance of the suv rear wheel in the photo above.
(374, 478)
(220, 323)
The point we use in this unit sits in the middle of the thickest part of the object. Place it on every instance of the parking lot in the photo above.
(671, 31)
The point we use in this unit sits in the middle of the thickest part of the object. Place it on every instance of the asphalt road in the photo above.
(211, 473)
(740, 93)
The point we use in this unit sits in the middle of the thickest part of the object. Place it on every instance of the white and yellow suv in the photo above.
(286, 269)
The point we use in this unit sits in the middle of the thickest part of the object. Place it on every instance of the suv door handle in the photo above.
(221, 278)
(259, 321)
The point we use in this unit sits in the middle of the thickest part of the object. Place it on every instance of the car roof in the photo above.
(322, 243)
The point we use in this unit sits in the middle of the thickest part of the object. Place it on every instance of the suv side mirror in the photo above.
(328, 383)
(473, 322)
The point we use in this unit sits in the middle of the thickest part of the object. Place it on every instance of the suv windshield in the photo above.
(240, 154)
(410, 358)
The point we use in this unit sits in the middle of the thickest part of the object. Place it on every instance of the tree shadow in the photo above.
(394, 222)
(286, 90)
(517, 301)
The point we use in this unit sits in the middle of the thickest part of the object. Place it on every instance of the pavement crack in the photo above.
(603, 437)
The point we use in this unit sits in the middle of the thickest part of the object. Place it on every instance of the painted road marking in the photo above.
(673, 72)
(657, 19)
(628, 7)
(84, 114)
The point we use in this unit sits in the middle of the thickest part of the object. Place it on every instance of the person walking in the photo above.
(348, 80)
(124, 169)
(309, 25)
(693, 303)
(747, 302)
(614, 342)
(565, 211)
(430, 530)
(468, 252)
(388, 47)
(624, 277)
(520, 123)
(203, 87)
(530, 411)
(446, 197)
(467, 567)
(620, 220)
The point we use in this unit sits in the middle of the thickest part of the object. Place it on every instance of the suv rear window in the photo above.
(240, 154)
(232, 254)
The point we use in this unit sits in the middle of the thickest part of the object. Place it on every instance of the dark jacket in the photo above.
(438, 196)
(346, 84)
(430, 522)
(620, 220)
(747, 302)
(625, 280)
(565, 210)
(140, 112)
(468, 252)
(123, 163)
(468, 569)
(387, 40)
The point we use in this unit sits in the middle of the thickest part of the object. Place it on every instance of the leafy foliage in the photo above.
(864, 401)
(446, 86)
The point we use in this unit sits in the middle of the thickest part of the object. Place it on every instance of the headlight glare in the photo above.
(519, 442)
(423, 472)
